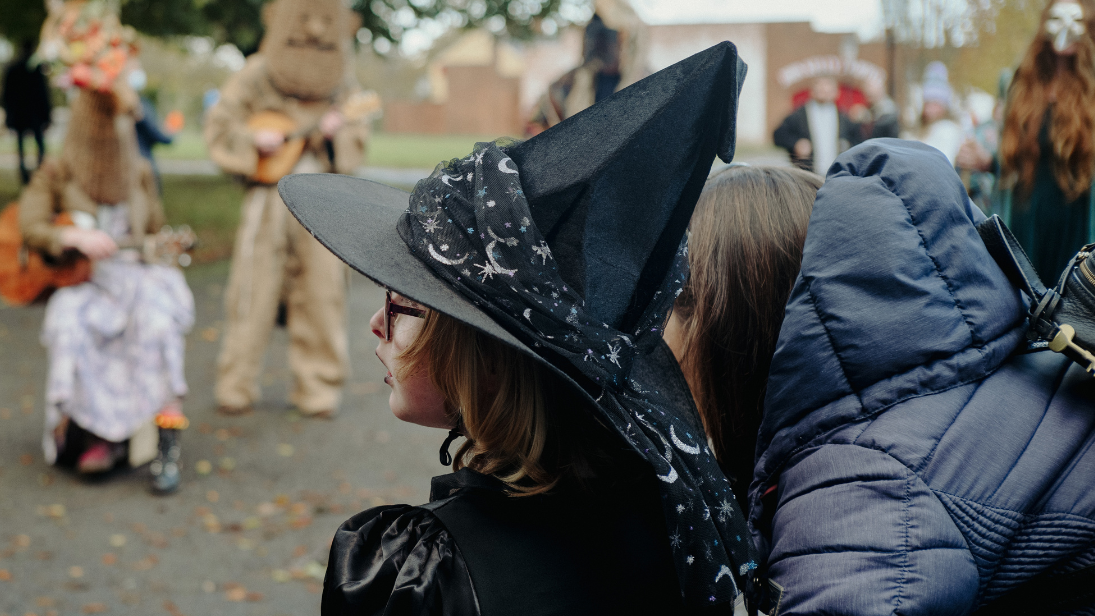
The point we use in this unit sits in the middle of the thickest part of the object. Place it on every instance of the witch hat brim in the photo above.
(356, 219)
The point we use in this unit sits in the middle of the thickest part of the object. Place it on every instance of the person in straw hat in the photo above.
(528, 286)
(301, 73)
(116, 342)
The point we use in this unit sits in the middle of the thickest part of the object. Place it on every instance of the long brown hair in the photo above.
(745, 250)
(1073, 129)
(524, 424)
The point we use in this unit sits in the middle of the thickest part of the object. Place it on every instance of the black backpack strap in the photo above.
(1011, 257)
(1045, 594)
(1016, 265)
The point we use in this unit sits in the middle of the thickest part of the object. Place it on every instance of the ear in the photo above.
(353, 23)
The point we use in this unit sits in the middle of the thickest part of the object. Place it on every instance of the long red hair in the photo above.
(1072, 131)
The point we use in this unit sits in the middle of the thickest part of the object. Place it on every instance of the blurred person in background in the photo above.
(116, 342)
(612, 59)
(977, 160)
(149, 129)
(1047, 147)
(937, 128)
(881, 118)
(744, 248)
(294, 101)
(815, 133)
(26, 103)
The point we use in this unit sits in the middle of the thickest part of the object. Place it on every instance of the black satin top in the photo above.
(474, 550)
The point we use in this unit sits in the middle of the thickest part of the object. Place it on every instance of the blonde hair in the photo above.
(744, 253)
(512, 409)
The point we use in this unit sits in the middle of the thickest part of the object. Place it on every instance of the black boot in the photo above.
(165, 468)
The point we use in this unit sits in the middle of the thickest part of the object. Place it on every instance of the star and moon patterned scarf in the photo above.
(471, 223)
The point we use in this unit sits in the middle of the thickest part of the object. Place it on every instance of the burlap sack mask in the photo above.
(306, 45)
(96, 150)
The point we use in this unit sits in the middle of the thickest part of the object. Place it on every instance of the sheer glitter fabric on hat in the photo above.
(470, 223)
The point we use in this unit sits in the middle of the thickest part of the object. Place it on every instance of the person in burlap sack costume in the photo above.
(116, 343)
(614, 49)
(301, 70)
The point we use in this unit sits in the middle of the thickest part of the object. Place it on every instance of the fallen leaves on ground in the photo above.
(146, 563)
(237, 593)
(94, 608)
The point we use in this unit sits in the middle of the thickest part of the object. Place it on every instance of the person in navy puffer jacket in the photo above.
(907, 461)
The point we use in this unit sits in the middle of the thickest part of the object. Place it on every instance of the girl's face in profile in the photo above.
(414, 398)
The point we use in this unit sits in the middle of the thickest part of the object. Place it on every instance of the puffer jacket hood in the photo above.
(907, 461)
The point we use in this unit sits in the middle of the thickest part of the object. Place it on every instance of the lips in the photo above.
(317, 45)
(387, 378)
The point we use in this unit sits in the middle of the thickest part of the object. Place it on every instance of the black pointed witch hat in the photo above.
(569, 247)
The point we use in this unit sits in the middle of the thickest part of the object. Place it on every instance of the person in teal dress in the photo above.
(1047, 153)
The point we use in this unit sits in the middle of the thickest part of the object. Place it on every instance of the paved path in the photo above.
(250, 537)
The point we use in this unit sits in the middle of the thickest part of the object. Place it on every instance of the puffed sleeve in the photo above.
(396, 560)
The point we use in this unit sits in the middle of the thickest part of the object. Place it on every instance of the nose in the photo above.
(377, 323)
(315, 27)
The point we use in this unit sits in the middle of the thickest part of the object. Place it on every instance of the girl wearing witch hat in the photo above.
(528, 286)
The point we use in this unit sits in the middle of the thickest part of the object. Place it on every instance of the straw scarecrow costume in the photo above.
(569, 248)
(301, 72)
(115, 342)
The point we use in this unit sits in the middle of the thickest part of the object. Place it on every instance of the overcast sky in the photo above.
(861, 16)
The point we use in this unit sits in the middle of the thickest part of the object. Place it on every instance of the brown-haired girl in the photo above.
(523, 424)
(1047, 148)
(745, 247)
(529, 285)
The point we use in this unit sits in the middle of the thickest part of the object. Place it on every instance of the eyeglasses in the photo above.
(390, 310)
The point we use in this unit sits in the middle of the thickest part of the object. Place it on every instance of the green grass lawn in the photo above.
(209, 204)
(188, 145)
(419, 151)
(385, 149)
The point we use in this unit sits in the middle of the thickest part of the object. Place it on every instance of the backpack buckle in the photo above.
(1062, 343)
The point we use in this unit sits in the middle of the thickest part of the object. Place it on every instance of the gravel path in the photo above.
(247, 533)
